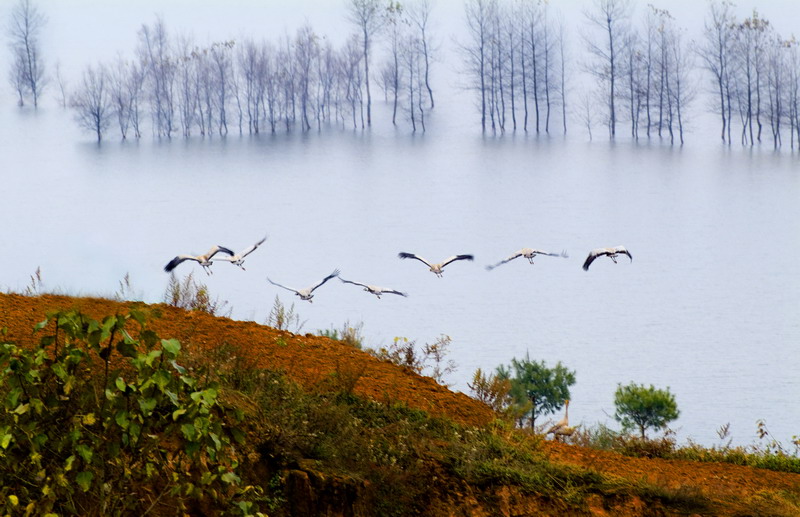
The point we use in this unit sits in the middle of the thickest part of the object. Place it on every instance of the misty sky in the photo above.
(82, 32)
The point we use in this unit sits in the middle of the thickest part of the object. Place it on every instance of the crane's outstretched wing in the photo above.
(624, 251)
(457, 257)
(283, 286)
(548, 254)
(509, 259)
(334, 274)
(177, 260)
(351, 282)
(404, 255)
(245, 252)
(593, 255)
(218, 249)
(392, 291)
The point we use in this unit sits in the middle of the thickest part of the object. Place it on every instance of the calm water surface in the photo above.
(709, 305)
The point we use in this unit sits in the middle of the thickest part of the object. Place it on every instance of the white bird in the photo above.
(307, 293)
(529, 254)
(435, 268)
(204, 260)
(562, 428)
(611, 252)
(238, 259)
(377, 291)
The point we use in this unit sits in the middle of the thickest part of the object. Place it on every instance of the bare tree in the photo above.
(684, 91)
(352, 79)
(367, 15)
(562, 73)
(306, 52)
(715, 52)
(749, 41)
(610, 17)
(395, 23)
(411, 65)
(16, 76)
(91, 101)
(776, 55)
(120, 96)
(62, 86)
(186, 83)
(586, 113)
(24, 31)
(534, 44)
(222, 77)
(479, 15)
(155, 55)
(419, 12)
(793, 90)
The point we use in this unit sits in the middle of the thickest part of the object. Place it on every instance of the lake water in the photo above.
(710, 305)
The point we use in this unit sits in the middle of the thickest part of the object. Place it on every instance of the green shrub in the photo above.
(96, 421)
(640, 407)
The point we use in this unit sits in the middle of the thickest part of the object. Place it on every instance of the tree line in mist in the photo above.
(644, 74)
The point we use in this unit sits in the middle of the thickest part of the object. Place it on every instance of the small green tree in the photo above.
(543, 389)
(641, 407)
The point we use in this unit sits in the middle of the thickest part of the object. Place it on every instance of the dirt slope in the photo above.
(310, 360)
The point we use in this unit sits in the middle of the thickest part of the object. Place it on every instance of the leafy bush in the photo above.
(99, 422)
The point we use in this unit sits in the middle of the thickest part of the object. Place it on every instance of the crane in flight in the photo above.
(238, 258)
(610, 252)
(435, 268)
(377, 291)
(204, 260)
(307, 293)
(528, 253)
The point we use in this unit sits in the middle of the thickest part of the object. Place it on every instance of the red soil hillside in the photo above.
(311, 360)
(307, 359)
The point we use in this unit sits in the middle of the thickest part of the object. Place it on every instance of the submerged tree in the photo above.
(479, 14)
(367, 15)
(92, 101)
(610, 17)
(715, 51)
(27, 74)
(419, 13)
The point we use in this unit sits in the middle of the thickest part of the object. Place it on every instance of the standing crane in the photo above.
(307, 293)
(204, 260)
(435, 268)
(528, 253)
(562, 428)
(238, 259)
(610, 252)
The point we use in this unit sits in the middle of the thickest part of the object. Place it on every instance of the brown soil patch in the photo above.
(312, 360)
(307, 359)
(733, 488)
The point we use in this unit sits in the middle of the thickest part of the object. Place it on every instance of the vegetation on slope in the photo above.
(217, 429)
